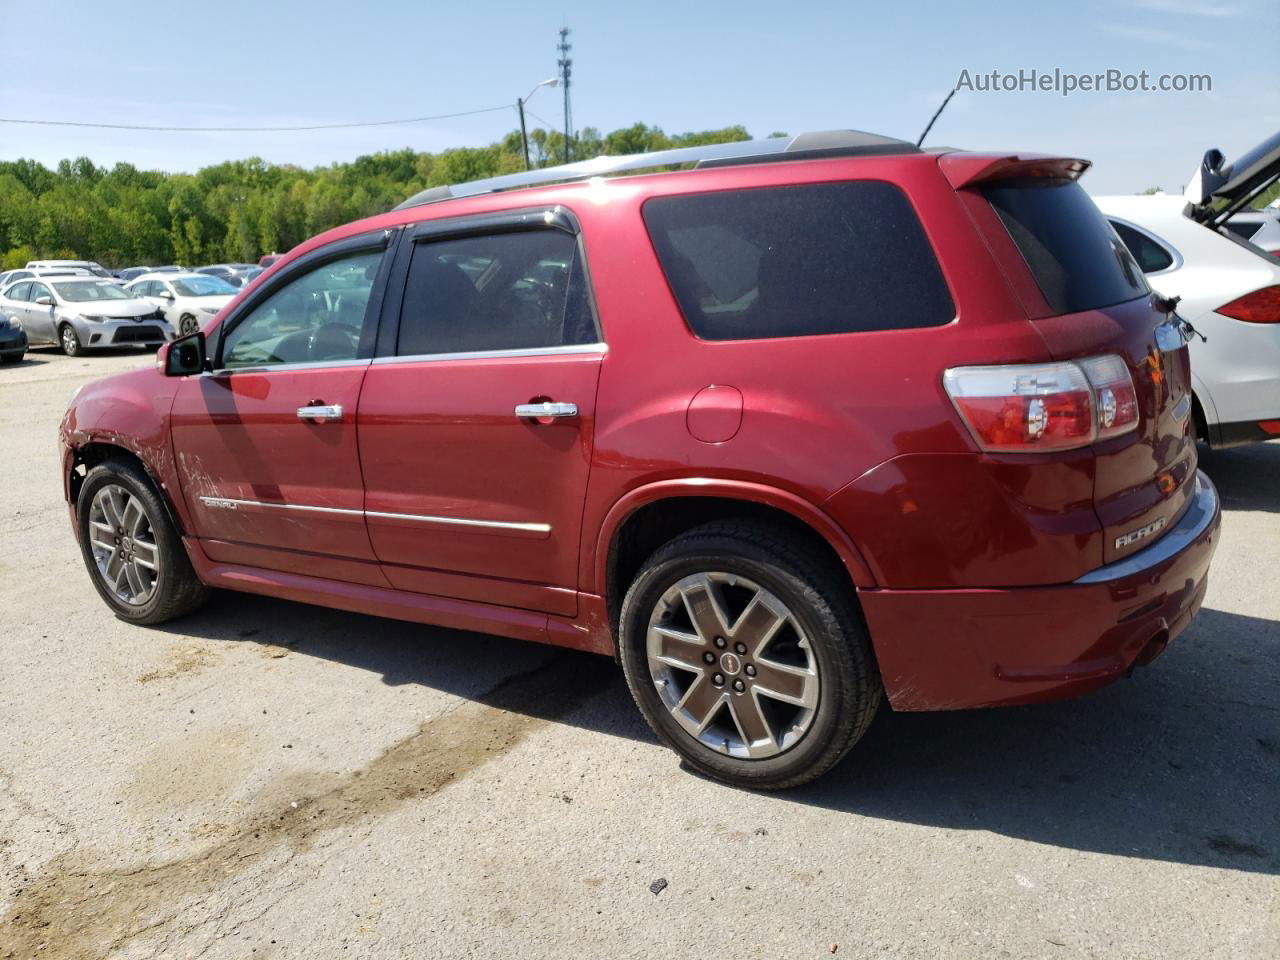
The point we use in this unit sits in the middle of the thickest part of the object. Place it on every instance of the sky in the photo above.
(679, 65)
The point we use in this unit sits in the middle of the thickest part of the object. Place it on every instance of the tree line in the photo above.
(238, 210)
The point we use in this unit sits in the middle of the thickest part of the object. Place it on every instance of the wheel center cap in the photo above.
(730, 664)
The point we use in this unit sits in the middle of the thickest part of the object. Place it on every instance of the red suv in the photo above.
(818, 422)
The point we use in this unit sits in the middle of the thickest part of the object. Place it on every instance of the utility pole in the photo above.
(566, 68)
(524, 136)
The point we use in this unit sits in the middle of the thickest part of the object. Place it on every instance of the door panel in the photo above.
(255, 474)
(465, 499)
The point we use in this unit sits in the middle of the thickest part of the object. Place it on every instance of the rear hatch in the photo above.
(1087, 298)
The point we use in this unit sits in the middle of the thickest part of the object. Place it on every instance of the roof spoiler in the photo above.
(1237, 182)
(968, 169)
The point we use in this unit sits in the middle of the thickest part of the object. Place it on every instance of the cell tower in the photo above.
(566, 68)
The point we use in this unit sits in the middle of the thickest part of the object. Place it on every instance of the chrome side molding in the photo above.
(229, 503)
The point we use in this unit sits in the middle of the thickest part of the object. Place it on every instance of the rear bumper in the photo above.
(954, 649)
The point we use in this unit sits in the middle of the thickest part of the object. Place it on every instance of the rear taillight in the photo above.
(1028, 408)
(1261, 306)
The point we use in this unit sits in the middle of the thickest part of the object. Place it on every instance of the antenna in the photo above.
(935, 117)
(566, 68)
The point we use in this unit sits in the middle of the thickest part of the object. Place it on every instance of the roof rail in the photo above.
(804, 146)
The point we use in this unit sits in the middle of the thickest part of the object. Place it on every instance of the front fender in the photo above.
(129, 411)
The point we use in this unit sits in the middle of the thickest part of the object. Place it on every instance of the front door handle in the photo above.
(546, 412)
(320, 412)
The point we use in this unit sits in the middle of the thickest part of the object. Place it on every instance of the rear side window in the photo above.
(798, 261)
(1076, 259)
(505, 291)
(1151, 257)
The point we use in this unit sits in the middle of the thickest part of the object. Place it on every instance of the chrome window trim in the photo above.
(1158, 241)
(1194, 521)
(269, 367)
(566, 350)
(233, 503)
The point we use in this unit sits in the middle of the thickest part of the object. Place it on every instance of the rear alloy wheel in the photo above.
(69, 340)
(724, 682)
(744, 650)
(188, 325)
(131, 547)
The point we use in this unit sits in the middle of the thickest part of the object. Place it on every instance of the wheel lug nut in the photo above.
(719, 642)
(740, 647)
(708, 657)
(718, 679)
(739, 685)
(751, 669)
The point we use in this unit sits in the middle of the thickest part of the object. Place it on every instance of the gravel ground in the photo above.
(264, 779)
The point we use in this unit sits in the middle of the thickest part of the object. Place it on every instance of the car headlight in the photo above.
(93, 318)
(12, 323)
(210, 309)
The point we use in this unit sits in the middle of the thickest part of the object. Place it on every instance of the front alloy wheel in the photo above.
(131, 548)
(188, 325)
(124, 545)
(69, 341)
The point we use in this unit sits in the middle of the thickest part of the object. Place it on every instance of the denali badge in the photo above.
(1140, 534)
(217, 503)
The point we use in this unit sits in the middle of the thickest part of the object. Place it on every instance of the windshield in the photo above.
(203, 287)
(80, 291)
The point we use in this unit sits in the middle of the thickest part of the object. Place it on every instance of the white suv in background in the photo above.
(1229, 289)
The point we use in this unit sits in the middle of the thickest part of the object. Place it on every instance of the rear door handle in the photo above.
(320, 412)
(546, 411)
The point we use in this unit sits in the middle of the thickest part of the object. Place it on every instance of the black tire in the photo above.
(187, 324)
(69, 340)
(819, 596)
(177, 590)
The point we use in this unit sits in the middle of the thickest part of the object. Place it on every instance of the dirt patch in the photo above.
(77, 907)
(190, 769)
(186, 660)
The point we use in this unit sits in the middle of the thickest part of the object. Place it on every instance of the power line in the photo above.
(317, 126)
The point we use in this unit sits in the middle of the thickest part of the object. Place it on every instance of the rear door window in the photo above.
(1077, 260)
(798, 261)
(1151, 256)
(505, 291)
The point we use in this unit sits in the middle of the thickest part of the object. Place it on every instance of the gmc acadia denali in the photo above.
(787, 427)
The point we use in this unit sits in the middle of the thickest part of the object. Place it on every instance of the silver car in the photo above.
(78, 313)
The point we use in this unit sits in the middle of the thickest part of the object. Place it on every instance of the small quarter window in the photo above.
(1151, 257)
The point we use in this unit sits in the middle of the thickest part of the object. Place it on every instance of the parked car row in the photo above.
(873, 423)
(78, 306)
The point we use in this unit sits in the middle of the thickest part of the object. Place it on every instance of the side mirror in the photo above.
(45, 301)
(184, 356)
(166, 295)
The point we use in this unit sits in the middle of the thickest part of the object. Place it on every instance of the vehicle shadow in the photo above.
(1180, 763)
(1245, 475)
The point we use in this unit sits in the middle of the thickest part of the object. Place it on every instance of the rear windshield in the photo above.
(1077, 260)
(798, 261)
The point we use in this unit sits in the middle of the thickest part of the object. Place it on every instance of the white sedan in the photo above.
(188, 300)
(1230, 289)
